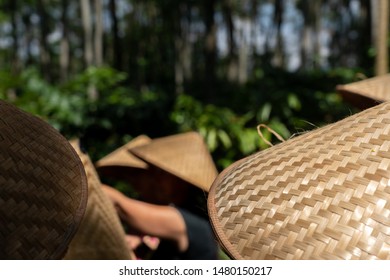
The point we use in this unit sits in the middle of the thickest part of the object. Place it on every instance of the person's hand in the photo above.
(133, 241)
(142, 247)
(151, 241)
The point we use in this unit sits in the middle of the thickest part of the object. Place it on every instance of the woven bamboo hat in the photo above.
(123, 157)
(43, 188)
(122, 164)
(184, 155)
(368, 92)
(100, 235)
(322, 195)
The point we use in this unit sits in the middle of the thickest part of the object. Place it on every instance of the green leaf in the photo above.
(293, 102)
(248, 139)
(264, 113)
(280, 128)
(212, 139)
(225, 139)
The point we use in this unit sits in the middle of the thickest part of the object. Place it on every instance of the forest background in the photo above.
(107, 71)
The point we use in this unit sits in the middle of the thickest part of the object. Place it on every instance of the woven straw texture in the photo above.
(123, 165)
(322, 195)
(152, 184)
(183, 155)
(101, 235)
(368, 92)
(43, 188)
(122, 156)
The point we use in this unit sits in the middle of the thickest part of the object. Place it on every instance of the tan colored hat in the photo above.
(123, 165)
(367, 93)
(101, 235)
(43, 188)
(183, 155)
(122, 156)
(322, 195)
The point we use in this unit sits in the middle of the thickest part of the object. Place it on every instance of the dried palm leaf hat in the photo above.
(368, 92)
(122, 164)
(100, 235)
(184, 155)
(322, 195)
(43, 188)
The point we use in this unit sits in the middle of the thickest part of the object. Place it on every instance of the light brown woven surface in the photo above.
(322, 195)
(43, 188)
(121, 164)
(372, 90)
(122, 156)
(183, 155)
(100, 235)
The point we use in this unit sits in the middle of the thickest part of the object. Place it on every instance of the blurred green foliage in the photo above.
(289, 103)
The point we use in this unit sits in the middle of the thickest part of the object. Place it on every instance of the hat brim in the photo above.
(366, 93)
(122, 157)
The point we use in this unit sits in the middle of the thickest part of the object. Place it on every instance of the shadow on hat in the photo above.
(163, 170)
(101, 235)
(366, 93)
(43, 185)
(122, 165)
(321, 195)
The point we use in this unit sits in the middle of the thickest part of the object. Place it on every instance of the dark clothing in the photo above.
(201, 243)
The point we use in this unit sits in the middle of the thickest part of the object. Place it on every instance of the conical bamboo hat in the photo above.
(122, 156)
(368, 92)
(183, 155)
(121, 164)
(43, 188)
(322, 195)
(101, 235)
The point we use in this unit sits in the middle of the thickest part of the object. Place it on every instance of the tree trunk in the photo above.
(88, 43)
(179, 71)
(278, 19)
(210, 47)
(88, 36)
(243, 60)
(43, 46)
(232, 55)
(98, 33)
(305, 46)
(29, 35)
(64, 44)
(15, 61)
(382, 59)
(183, 47)
(188, 49)
(310, 42)
(316, 12)
(117, 44)
(365, 36)
(179, 38)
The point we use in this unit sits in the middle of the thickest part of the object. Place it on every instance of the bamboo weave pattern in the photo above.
(322, 195)
(43, 188)
(183, 155)
(101, 235)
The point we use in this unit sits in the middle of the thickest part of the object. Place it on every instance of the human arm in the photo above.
(155, 220)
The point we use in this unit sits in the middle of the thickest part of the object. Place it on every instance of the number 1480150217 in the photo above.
(242, 270)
